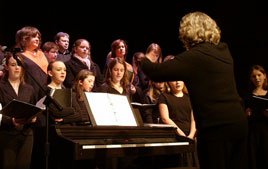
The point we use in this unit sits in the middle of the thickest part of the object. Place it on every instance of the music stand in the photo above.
(47, 101)
(107, 109)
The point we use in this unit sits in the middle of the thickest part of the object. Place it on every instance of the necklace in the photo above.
(34, 52)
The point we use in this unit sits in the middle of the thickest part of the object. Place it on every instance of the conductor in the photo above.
(206, 67)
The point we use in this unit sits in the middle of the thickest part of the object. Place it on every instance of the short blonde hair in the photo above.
(198, 27)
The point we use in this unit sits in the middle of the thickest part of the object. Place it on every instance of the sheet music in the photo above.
(262, 98)
(111, 109)
(40, 103)
(143, 105)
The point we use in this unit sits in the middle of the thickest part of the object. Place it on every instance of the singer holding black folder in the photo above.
(56, 75)
(16, 140)
(256, 104)
(67, 116)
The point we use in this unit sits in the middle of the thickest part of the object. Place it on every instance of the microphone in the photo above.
(2, 67)
(49, 99)
(15, 52)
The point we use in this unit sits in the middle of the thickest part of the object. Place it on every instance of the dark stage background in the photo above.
(243, 26)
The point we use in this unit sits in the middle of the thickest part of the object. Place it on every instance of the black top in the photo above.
(207, 71)
(7, 94)
(105, 88)
(64, 57)
(179, 110)
(80, 107)
(143, 79)
(74, 66)
(68, 114)
(257, 106)
(39, 75)
(151, 114)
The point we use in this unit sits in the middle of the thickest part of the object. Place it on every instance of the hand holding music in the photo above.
(248, 112)
(132, 88)
(33, 120)
(19, 122)
(58, 120)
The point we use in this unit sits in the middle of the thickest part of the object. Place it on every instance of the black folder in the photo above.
(19, 109)
(63, 97)
(142, 106)
(260, 103)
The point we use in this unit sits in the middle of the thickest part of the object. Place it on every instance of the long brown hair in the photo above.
(154, 92)
(124, 81)
(82, 75)
(114, 46)
(155, 47)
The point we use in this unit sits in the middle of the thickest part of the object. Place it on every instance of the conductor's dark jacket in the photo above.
(208, 73)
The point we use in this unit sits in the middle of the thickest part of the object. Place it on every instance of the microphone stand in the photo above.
(47, 102)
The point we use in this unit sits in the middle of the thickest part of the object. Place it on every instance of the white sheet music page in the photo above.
(40, 103)
(110, 109)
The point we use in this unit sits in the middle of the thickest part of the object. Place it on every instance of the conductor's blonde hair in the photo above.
(198, 27)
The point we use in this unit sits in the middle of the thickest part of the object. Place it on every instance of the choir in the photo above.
(54, 67)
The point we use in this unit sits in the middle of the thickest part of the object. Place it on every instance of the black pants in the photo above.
(15, 149)
(222, 154)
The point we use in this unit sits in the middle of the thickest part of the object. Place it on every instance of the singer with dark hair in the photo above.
(16, 134)
(82, 59)
(67, 116)
(116, 78)
(119, 49)
(28, 39)
(84, 82)
(62, 40)
(206, 67)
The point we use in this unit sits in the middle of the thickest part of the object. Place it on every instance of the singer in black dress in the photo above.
(256, 108)
(84, 82)
(16, 141)
(81, 59)
(116, 78)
